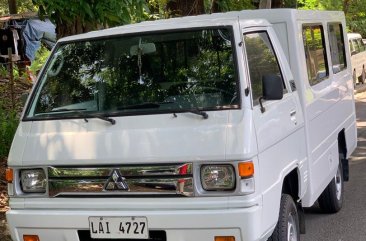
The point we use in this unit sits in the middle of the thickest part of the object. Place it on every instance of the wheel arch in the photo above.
(342, 149)
(290, 184)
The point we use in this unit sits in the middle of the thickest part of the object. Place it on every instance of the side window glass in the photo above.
(337, 50)
(351, 47)
(315, 53)
(356, 46)
(261, 60)
(360, 43)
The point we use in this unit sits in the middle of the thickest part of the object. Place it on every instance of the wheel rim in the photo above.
(291, 228)
(338, 184)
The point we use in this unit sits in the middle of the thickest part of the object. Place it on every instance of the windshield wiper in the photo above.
(153, 105)
(83, 114)
(199, 112)
(194, 111)
(146, 105)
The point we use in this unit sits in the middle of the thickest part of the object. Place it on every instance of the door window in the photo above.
(315, 53)
(336, 41)
(261, 61)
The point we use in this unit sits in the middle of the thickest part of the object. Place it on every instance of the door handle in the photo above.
(293, 116)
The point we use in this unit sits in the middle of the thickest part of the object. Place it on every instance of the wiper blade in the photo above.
(85, 115)
(146, 105)
(194, 111)
(66, 110)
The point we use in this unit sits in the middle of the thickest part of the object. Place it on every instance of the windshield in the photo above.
(150, 73)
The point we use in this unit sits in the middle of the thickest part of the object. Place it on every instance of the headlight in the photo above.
(33, 181)
(218, 177)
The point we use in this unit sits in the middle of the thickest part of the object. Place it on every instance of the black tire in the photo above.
(331, 200)
(287, 228)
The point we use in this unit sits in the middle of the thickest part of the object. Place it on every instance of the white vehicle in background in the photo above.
(358, 57)
(218, 127)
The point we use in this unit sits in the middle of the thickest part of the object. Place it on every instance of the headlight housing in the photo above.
(218, 177)
(33, 181)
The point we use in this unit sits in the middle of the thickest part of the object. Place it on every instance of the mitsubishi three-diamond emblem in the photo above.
(116, 182)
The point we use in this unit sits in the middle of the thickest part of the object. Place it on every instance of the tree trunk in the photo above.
(215, 8)
(12, 6)
(346, 4)
(186, 7)
(265, 4)
(277, 3)
(270, 4)
(64, 29)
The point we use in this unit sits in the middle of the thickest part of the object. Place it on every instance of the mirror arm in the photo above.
(261, 104)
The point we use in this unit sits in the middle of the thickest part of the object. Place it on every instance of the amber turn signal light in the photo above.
(9, 175)
(246, 169)
(27, 237)
(224, 238)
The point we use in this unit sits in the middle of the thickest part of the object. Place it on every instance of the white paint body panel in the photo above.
(276, 141)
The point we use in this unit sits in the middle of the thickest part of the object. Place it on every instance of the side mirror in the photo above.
(272, 86)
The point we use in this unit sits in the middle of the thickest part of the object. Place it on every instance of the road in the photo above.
(350, 223)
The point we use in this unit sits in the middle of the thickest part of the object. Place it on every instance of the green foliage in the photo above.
(23, 6)
(3, 71)
(157, 9)
(8, 125)
(356, 16)
(229, 5)
(336, 5)
(41, 57)
(101, 12)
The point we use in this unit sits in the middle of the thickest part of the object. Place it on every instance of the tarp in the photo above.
(36, 31)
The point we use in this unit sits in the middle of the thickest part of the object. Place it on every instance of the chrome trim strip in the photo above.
(126, 171)
(141, 180)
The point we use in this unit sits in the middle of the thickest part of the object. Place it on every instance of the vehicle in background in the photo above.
(358, 57)
(205, 128)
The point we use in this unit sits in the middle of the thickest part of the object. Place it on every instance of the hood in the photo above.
(132, 140)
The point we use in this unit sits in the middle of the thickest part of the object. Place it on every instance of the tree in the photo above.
(74, 17)
(22, 6)
(186, 7)
(12, 6)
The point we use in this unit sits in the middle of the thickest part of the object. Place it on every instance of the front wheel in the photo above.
(331, 200)
(287, 228)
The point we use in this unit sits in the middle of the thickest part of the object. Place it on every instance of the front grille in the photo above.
(131, 180)
(84, 235)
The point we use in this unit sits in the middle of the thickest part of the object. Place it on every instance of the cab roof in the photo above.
(248, 18)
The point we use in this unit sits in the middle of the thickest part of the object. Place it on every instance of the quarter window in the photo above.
(336, 40)
(315, 53)
(261, 61)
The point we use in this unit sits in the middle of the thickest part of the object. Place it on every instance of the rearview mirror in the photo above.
(146, 48)
(272, 86)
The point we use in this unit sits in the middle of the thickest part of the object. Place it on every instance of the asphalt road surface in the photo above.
(349, 224)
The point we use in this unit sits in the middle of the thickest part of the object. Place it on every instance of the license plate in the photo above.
(118, 227)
